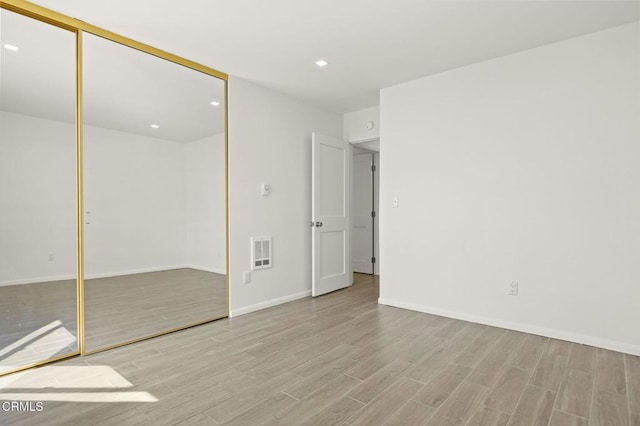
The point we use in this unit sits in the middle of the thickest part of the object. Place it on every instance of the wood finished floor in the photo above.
(117, 309)
(127, 307)
(335, 360)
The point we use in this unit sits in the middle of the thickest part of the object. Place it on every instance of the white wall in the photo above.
(355, 124)
(205, 186)
(37, 199)
(356, 131)
(154, 204)
(524, 168)
(270, 142)
(135, 189)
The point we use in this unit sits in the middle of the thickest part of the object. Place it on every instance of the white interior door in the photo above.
(362, 218)
(331, 181)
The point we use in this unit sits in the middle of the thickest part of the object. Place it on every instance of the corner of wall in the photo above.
(270, 142)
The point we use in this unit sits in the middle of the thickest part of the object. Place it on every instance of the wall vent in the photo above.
(261, 253)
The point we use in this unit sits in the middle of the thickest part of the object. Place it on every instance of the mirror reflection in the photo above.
(154, 195)
(38, 298)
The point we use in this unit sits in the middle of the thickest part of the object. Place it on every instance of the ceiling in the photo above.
(127, 90)
(369, 44)
(123, 89)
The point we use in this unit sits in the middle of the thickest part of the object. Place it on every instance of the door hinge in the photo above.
(373, 167)
(373, 260)
(373, 214)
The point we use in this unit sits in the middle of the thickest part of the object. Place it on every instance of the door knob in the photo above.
(318, 224)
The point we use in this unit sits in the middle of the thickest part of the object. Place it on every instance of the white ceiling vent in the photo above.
(261, 253)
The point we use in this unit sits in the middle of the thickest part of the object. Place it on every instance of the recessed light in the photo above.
(11, 47)
(215, 103)
(322, 63)
(155, 126)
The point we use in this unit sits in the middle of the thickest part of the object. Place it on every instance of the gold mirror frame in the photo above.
(78, 27)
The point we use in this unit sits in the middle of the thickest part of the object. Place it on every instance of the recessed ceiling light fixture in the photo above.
(215, 103)
(322, 63)
(155, 126)
(11, 47)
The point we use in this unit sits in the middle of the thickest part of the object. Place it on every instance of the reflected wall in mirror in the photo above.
(38, 298)
(154, 195)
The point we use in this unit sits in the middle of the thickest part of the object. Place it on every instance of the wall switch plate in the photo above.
(246, 277)
(52, 257)
(513, 288)
(265, 189)
(395, 202)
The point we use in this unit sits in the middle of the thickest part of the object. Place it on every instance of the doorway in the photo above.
(365, 202)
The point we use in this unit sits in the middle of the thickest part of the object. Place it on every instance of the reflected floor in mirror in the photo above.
(123, 308)
(37, 322)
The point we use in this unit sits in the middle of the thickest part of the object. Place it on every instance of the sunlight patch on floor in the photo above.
(81, 397)
(42, 344)
(67, 377)
(80, 383)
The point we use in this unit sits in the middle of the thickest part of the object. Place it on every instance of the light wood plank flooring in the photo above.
(335, 360)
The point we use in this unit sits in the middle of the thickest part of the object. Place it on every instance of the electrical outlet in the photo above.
(246, 277)
(513, 288)
(52, 257)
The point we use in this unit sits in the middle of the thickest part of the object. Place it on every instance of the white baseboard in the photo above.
(133, 271)
(37, 280)
(268, 303)
(107, 274)
(526, 328)
(206, 269)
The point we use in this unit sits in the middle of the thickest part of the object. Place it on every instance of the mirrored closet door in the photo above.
(38, 237)
(153, 197)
